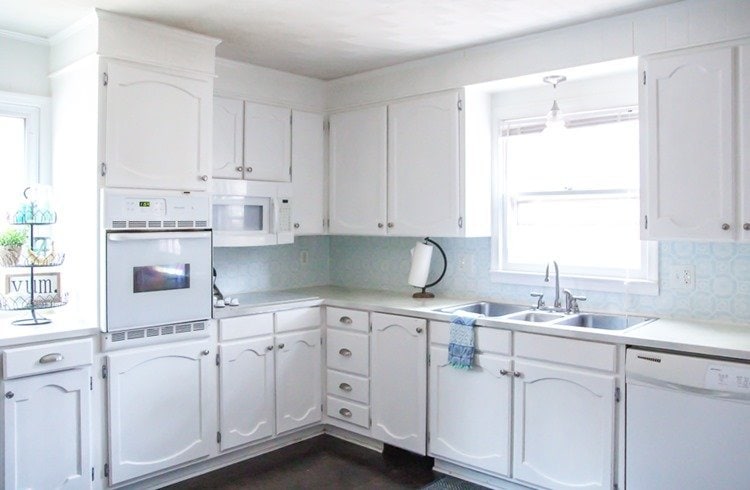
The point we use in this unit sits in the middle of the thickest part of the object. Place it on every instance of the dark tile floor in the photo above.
(321, 463)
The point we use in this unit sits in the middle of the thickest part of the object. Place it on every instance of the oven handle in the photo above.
(175, 235)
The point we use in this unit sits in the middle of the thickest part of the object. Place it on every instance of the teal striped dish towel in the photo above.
(461, 343)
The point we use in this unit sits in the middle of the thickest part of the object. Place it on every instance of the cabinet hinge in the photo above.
(615, 487)
(326, 125)
(91, 383)
(106, 470)
(218, 438)
(644, 77)
(105, 371)
(103, 169)
(217, 359)
(617, 395)
(321, 340)
(290, 171)
(105, 79)
(429, 359)
(645, 222)
(92, 473)
(321, 408)
(460, 105)
(461, 222)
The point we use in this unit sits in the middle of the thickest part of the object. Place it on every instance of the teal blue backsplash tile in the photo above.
(721, 293)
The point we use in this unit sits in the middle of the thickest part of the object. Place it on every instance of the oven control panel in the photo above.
(146, 210)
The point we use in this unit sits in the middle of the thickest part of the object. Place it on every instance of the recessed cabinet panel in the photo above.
(424, 176)
(689, 130)
(357, 180)
(267, 142)
(308, 173)
(298, 385)
(227, 138)
(158, 129)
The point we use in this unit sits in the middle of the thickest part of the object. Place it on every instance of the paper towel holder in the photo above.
(424, 293)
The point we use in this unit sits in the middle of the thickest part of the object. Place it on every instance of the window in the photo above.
(573, 196)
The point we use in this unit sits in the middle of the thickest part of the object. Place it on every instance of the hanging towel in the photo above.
(461, 344)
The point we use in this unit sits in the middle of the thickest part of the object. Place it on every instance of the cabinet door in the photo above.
(470, 411)
(298, 385)
(246, 391)
(399, 381)
(227, 138)
(689, 130)
(357, 179)
(158, 129)
(267, 142)
(308, 173)
(47, 430)
(424, 178)
(159, 408)
(563, 427)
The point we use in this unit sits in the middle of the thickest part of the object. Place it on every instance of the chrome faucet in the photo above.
(571, 302)
(557, 305)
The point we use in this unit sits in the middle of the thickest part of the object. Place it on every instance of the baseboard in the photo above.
(360, 440)
(473, 476)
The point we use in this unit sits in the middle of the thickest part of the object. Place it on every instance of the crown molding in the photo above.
(28, 38)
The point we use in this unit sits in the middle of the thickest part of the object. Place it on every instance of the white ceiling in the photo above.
(328, 39)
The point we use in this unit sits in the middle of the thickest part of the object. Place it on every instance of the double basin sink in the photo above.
(518, 313)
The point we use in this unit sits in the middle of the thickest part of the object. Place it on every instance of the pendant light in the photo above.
(555, 121)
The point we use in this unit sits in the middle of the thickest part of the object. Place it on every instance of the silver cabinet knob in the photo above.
(9, 395)
(746, 227)
(380, 225)
(346, 412)
(503, 372)
(270, 347)
(345, 387)
(248, 169)
(204, 178)
(345, 352)
(296, 226)
(50, 358)
(517, 374)
(345, 320)
(239, 168)
(281, 346)
(725, 226)
(205, 352)
(419, 329)
(390, 225)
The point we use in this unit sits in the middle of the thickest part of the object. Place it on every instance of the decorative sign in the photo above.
(45, 284)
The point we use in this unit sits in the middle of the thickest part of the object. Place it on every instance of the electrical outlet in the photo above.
(682, 277)
(303, 257)
(466, 263)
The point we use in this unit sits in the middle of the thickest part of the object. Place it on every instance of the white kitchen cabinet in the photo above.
(246, 391)
(267, 153)
(399, 381)
(743, 182)
(161, 408)
(563, 427)
(157, 128)
(308, 173)
(47, 431)
(424, 178)
(357, 172)
(688, 145)
(298, 384)
(227, 142)
(470, 411)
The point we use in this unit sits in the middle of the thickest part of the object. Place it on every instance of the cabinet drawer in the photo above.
(351, 412)
(56, 356)
(566, 351)
(245, 326)
(348, 319)
(348, 386)
(297, 319)
(348, 351)
(485, 339)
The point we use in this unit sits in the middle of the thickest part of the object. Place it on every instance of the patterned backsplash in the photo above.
(721, 293)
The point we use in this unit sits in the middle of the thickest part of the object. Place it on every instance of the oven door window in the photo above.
(150, 278)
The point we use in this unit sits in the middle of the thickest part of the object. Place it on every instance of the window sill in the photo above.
(580, 283)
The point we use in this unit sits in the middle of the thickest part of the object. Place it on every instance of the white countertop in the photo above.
(66, 324)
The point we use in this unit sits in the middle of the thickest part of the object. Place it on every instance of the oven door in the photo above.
(157, 278)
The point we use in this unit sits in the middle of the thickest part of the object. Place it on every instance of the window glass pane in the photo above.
(13, 165)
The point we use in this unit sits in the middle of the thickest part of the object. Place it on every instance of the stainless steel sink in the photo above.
(486, 308)
(536, 316)
(604, 322)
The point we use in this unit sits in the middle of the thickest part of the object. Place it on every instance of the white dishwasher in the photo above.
(687, 422)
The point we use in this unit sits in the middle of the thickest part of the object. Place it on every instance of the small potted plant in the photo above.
(11, 241)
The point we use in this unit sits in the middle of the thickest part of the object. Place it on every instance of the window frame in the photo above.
(35, 110)
(609, 281)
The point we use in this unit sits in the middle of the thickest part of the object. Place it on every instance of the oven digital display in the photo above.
(152, 278)
(144, 204)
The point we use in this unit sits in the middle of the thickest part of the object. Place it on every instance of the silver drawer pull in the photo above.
(345, 320)
(345, 352)
(346, 412)
(50, 358)
(345, 387)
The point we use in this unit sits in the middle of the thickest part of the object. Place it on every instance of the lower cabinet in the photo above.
(159, 409)
(564, 425)
(47, 431)
(399, 381)
(298, 385)
(470, 411)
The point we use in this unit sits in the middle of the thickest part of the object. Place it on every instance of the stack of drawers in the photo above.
(348, 362)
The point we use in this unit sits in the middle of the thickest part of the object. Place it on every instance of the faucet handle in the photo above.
(571, 301)
(539, 300)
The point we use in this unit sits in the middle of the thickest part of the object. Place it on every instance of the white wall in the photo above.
(674, 26)
(24, 64)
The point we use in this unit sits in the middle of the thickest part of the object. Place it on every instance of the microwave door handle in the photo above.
(132, 237)
(274, 213)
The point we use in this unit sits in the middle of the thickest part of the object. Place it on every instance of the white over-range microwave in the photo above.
(251, 213)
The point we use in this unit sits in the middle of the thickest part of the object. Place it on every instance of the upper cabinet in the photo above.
(308, 173)
(267, 142)
(405, 169)
(689, 102)
(229, 117)
(157, 128)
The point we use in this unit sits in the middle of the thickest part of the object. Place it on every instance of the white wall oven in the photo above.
(158, 262)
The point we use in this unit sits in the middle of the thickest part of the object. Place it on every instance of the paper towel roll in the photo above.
(421, 256)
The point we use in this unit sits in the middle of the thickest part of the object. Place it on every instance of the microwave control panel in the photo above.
(285, 216)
